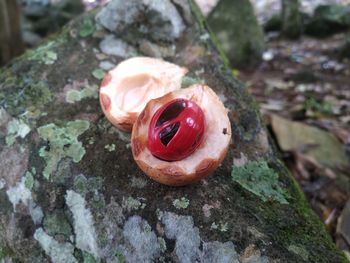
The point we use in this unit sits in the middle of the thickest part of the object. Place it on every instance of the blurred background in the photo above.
(294, 57)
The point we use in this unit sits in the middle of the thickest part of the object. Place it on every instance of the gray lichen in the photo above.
(181, 229)
(84, 229)
(219, 252)
(21, 194)
(143, 240)
(57, 251)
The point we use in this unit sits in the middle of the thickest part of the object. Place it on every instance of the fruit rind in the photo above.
(205, 159)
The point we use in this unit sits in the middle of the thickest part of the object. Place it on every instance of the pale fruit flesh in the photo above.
(128, 87)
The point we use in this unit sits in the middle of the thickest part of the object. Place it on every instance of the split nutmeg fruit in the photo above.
(178, 135)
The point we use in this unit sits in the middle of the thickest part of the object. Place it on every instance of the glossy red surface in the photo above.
(176, 130)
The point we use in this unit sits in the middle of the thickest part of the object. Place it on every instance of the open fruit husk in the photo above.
(205, 159)
(126, 89)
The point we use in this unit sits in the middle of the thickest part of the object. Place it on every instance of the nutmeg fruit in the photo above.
(206, 156)
(126, 89)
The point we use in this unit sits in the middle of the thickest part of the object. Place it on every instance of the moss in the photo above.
(45, 53)
(87, 28)
(205, 29)
(63, 142)
(80, 184)
(88, 258)
(57, 223)
(258, 178)
(25, 97)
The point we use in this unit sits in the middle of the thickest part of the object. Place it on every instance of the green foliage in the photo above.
(63, 143)
(258, 178)
(314, 105)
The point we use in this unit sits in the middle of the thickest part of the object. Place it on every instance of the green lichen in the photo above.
(87, 28)
(98, 73)
(63, 142)
(29, 180)
(44, 53)
(73, 96)
(222, 226)
(132, 204)
(110, 147)
(16, 128)
(258, 178)
(181, 203)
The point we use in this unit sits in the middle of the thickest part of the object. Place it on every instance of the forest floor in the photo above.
(307, 82)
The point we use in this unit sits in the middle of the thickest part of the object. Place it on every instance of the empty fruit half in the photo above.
(181, 137)
(126, 89)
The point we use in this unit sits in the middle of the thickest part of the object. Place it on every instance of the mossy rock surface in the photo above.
(71, 192)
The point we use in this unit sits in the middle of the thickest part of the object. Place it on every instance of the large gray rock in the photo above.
(71, 192)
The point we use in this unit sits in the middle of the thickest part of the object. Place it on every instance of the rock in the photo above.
(323, 146)
(116, 47)
(238, 32)
(158, 19)
(70, 190)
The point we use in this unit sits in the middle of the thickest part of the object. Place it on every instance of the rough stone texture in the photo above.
(97, 206)
(240, 35)
(157, 18)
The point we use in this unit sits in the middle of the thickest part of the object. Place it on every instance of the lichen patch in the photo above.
(188, 241)
(143, 241)
(63, 143)
(21, 194)
(131, 203)
(57, 251)
(181, 203)
(258, 178)
(16, 128)
(84, 229)
(73, 96)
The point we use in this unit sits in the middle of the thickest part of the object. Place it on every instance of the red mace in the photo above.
(176, 130)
